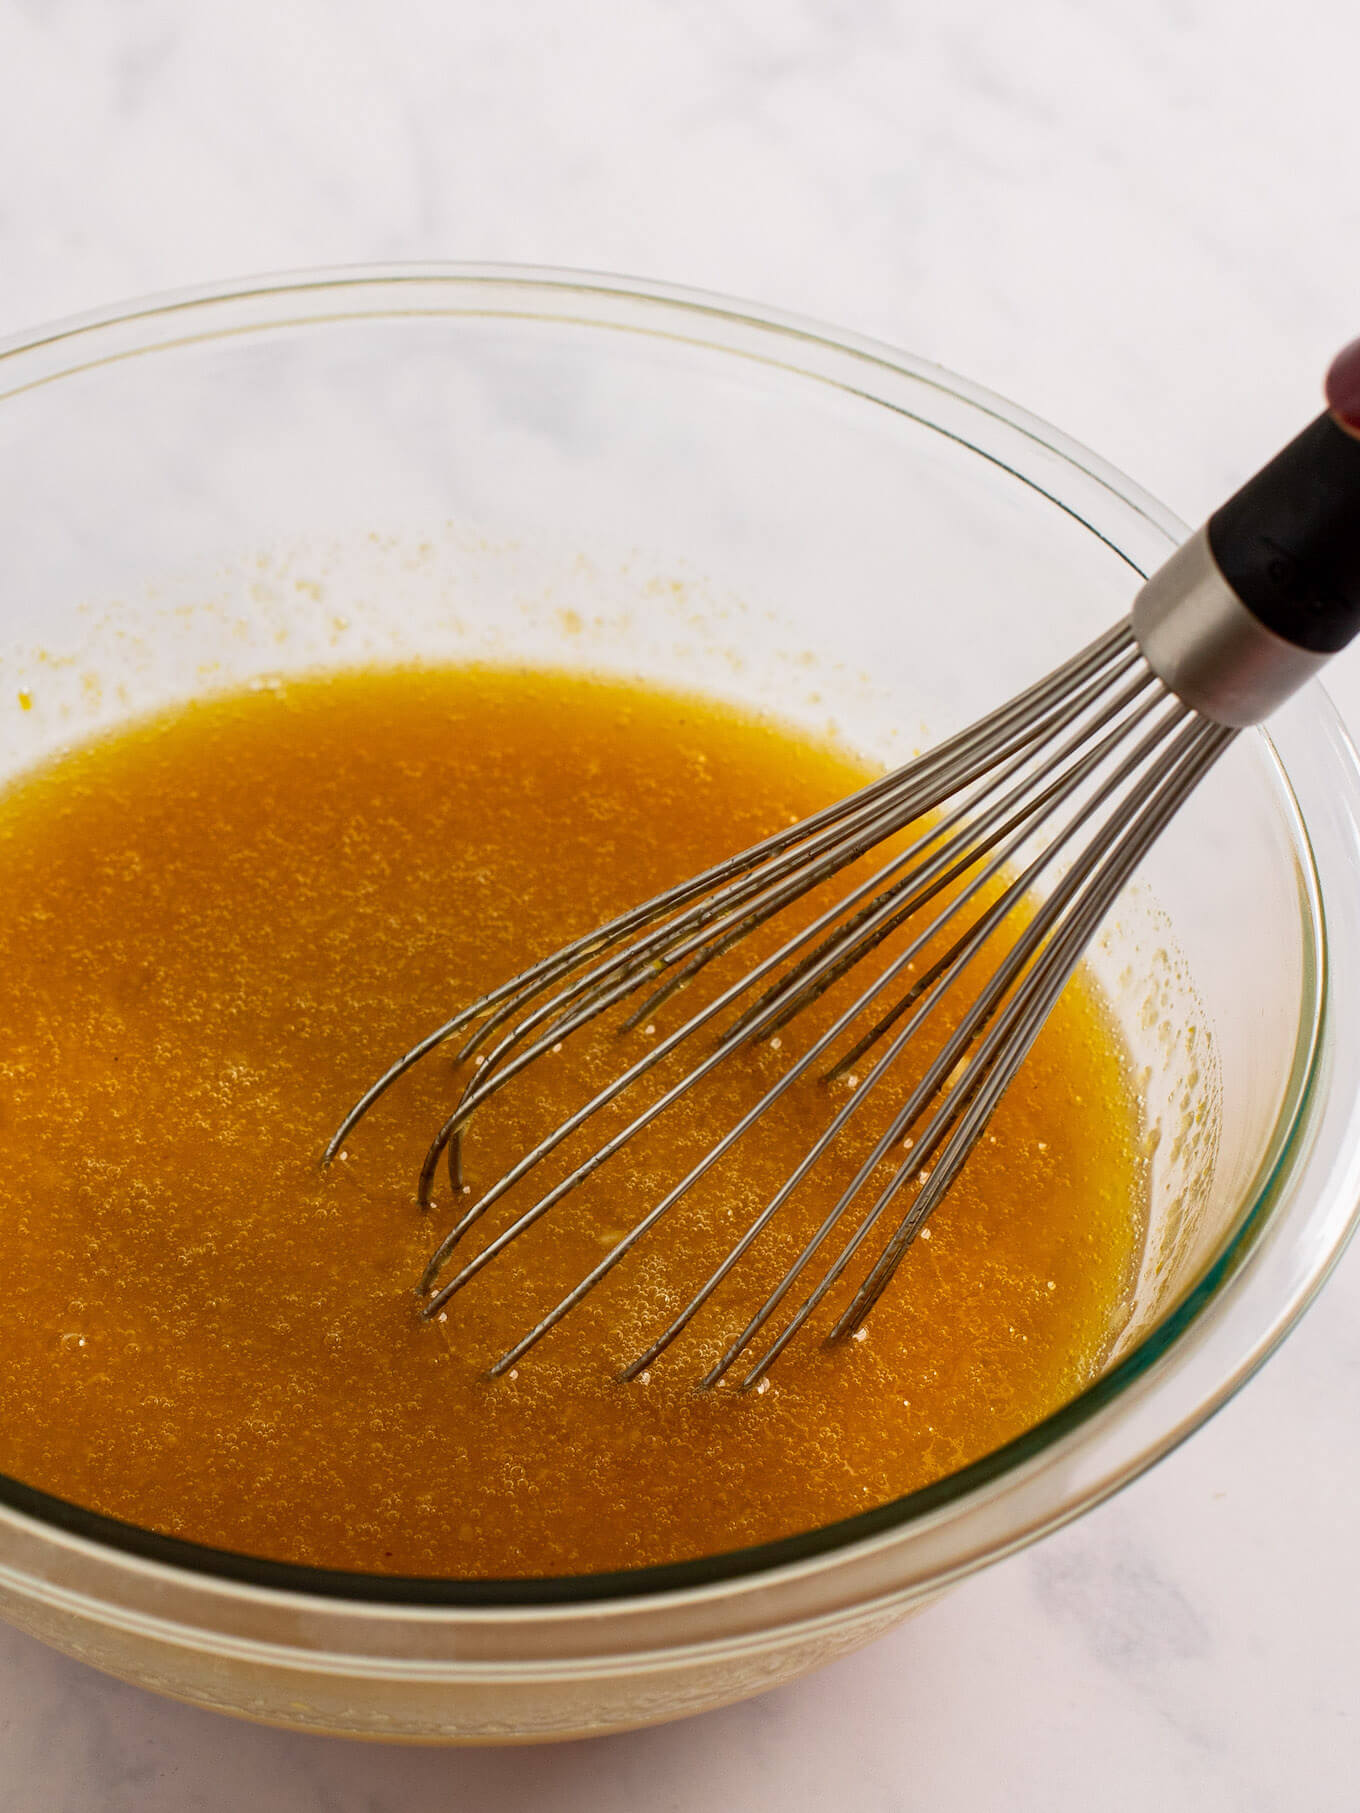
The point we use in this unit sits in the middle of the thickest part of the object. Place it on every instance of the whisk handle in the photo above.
(1269, 589)
(1288, 542)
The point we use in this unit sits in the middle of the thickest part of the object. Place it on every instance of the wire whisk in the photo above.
(1020, 832)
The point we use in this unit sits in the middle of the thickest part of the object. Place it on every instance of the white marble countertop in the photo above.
(1110, 213)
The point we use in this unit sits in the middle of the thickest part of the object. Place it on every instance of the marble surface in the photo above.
(1140, 221)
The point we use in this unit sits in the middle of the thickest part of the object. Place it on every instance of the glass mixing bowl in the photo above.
(223, 486)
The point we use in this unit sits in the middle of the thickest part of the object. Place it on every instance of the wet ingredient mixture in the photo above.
(217, 927)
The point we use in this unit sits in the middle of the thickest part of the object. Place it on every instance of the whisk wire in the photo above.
(968, 947)
(972, 807)
(744, 1029)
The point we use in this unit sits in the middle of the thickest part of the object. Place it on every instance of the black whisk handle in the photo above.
(1288, 542)
(1268, 590)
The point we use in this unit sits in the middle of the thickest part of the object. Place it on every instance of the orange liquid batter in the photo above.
(219, 926)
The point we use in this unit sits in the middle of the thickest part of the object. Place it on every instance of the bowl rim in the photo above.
(72, 342)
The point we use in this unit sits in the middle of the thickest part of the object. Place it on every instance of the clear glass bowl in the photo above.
(215, 487)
